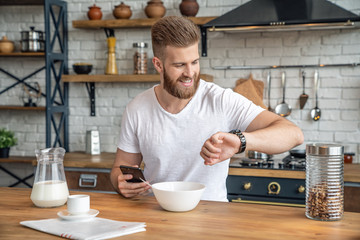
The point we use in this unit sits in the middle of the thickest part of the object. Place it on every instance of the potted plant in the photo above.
(7, 140)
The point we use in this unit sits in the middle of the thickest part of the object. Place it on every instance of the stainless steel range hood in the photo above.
(279, 15)
(282, 15)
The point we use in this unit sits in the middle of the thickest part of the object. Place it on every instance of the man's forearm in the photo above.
(278, 137)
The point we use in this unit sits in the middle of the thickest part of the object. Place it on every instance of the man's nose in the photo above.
(189, 71)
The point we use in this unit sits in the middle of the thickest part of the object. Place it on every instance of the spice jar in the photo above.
(140, 58)
(324, 181)
(348, 157)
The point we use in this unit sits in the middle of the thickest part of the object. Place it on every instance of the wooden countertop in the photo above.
(209, 220)
(84, 160)
(72, 159)
(105, 160)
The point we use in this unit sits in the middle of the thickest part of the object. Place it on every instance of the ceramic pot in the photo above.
(94, 13)
(4, 152)
(155, 9)
(122, 11)
(6, 46)
(189, 8)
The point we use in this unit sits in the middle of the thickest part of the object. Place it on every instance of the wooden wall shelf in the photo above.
(3, 107)
(129, 23)
(126, 78)
(90, 81)
(23, 54)
(21, 2)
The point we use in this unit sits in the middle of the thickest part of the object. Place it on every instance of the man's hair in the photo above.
(173, 31)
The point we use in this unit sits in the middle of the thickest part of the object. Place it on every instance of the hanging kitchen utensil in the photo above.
(316, 112)
(303, 97)
(269, 87)
(283, 109)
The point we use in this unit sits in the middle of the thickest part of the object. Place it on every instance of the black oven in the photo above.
(268, 190)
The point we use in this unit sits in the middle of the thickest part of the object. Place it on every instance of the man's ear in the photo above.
(157, 64)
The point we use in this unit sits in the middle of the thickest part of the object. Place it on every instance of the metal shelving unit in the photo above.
(56, 64)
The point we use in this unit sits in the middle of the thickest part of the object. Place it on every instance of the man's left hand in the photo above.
(219, 147)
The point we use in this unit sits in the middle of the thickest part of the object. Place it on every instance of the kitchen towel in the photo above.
(95, 228)
(251, 89)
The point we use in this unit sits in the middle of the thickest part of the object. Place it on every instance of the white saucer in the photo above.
(64, 214)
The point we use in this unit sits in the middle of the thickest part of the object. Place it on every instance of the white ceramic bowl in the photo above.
(178, 196)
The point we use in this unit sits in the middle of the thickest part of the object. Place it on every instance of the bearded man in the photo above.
(186, 129)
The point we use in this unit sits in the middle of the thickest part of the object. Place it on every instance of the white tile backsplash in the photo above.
(339, 90)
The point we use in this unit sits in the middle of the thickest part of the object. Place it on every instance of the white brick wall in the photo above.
(339, 87)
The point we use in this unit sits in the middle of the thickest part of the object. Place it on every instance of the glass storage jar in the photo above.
(348, 157)
(140, 58)
(324, 181)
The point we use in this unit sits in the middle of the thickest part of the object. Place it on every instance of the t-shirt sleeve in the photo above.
(128, 140)
(239, 110)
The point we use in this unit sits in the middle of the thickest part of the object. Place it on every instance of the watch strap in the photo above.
(242, 138)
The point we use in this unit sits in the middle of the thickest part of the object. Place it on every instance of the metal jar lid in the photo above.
(140, 45)
(324, 149)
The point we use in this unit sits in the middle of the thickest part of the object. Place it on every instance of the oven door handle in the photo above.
(239, 200)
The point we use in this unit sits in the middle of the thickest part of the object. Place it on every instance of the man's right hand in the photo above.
(118, 180)
(129, 189)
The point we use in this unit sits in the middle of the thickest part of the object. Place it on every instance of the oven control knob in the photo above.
(301, 189)
(274, 188)
(247, 186)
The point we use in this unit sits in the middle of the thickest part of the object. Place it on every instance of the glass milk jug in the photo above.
(50, 188)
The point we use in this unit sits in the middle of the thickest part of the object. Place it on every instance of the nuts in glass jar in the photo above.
(324, 204)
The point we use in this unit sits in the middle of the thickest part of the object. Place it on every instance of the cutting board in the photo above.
(251, 89)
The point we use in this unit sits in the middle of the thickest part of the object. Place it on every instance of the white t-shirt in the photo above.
(171, 143)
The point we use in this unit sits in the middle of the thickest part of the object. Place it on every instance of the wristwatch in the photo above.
(241, 136)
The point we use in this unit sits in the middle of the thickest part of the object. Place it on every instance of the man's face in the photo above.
(181, 71)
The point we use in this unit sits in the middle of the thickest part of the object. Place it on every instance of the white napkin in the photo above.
(95, 228)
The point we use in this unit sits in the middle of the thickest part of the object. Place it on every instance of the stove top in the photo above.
(288, 163)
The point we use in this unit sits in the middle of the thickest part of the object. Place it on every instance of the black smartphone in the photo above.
(134, 171)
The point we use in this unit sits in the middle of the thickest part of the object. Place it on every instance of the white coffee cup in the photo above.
(78, 204)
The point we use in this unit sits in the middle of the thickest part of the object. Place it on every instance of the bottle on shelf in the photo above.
(111, 61)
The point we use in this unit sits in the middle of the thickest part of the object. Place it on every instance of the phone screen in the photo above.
(134, 171)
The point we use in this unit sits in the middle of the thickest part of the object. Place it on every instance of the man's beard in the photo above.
(180, 92)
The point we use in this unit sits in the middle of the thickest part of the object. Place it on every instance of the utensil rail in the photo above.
(285, 66)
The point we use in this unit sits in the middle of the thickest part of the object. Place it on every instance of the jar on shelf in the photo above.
(140, 58)
(324, 181)
(348, 157)
(6, 46)
(122, 11)
(94, 12)
(155, 9)
(189, 8)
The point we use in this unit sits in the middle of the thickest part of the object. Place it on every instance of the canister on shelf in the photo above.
(111, 56)
(324, 181)
(93, 142)
(140, 58)
(348, 157)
